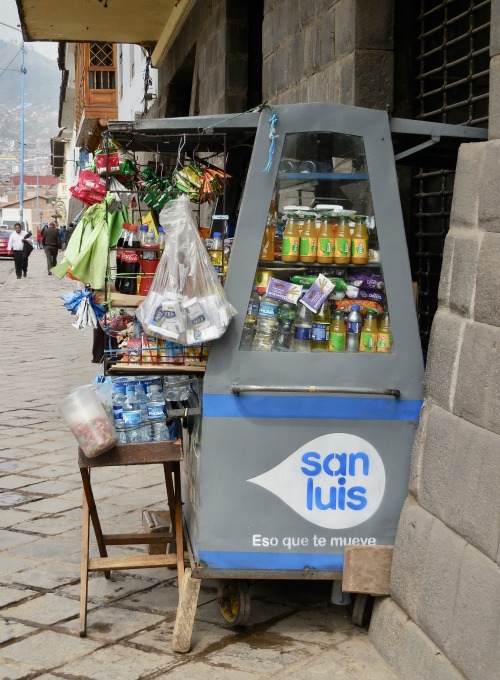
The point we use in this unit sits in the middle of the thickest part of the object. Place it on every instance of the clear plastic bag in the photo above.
(186, 302)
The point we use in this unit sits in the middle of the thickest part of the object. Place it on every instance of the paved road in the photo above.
(294, 632)
(6, 269)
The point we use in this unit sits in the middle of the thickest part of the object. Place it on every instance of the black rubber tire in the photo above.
(233, 598)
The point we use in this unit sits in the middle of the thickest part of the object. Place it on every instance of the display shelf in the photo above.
(294, 266)
(156, 369)
(334, 176)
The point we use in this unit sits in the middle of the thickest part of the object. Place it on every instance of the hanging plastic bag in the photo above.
(186, 302)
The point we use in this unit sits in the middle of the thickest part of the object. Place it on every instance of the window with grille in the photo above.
(451, 60)
(101, 67)
(101, 54)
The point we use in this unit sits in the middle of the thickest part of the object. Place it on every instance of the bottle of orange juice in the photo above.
(384, 343)
(369, 332)
(291, 238)
(267, 252)
(308, 244)
(326, 240)
(359, 244)
(342, 252)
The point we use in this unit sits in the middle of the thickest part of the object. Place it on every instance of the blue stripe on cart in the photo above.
(324, 407)
(255, 560)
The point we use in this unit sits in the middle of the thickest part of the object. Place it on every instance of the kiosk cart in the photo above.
(298, 454)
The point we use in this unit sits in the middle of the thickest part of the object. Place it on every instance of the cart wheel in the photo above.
(233, 598)
(362, 610)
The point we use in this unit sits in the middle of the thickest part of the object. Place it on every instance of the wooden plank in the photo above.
(135, 454)
(84, 574)
(118, 299)
(186, 611)
(367, 569)
(138, 539)
(136, 562)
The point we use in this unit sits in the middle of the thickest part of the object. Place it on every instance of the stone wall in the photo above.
(442, 621)
(197, 58)
(338, 51)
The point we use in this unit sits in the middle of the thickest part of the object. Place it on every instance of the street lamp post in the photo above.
(23, 73)
(21, 192)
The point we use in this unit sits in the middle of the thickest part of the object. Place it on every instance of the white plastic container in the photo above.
(87, 419)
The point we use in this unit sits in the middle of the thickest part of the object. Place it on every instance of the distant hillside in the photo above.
(41, 83)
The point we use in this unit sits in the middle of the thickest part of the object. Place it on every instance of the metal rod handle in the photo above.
(312, 389)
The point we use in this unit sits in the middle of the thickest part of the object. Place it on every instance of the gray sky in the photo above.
(9, 15)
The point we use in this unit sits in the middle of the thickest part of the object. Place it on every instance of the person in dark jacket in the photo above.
(51, 242)
(69, 232)
(62, 236)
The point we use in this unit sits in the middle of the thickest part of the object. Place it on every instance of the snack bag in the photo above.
(186, 303)
(90, 188)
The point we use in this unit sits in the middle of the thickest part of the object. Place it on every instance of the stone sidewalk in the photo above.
(294, 631)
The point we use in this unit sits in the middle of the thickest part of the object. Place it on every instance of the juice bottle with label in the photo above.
(369, 332)
(384, 343)
(216, 252)
(342, 253)
(291, 237)
(262, 280)
(320, 328)
(267, 249)
(336, 340)
(326, 240)
(359, 244)
(308, 245)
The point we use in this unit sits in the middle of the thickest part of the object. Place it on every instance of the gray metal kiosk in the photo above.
(297, 455)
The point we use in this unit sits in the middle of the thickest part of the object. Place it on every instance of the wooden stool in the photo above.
(168, 454)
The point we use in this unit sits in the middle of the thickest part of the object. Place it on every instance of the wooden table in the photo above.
(169, 454)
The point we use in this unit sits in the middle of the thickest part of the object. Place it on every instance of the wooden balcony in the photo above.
(96, 94)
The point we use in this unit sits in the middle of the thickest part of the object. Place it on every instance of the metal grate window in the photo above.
(452, 86)
(101, 54)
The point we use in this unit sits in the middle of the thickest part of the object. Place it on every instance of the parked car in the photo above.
(5, 232)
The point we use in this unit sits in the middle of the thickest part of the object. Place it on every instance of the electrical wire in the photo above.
(3, 70)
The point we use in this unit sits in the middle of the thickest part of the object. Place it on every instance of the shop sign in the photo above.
(336, 481)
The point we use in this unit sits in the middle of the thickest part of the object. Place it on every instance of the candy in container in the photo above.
(87, 419)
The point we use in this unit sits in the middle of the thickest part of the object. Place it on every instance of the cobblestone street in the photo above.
(294, 630)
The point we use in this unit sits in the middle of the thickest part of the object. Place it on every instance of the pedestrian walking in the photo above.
(51, 243)
(62, 236)
(16, 246)
(69, 232)
(39, 240)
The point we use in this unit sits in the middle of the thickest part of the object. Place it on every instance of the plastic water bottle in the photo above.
(142, 399)
(353, 329)
(286, 316)
(157, 414)
(119, 398)
(267, 322)
(161, 240)
(171, 389)
(250, 324)
(132, 417)
(302, 331)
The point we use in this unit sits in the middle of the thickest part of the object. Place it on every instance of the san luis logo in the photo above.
(336, 481)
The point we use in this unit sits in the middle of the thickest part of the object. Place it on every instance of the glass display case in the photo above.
(319, 255)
